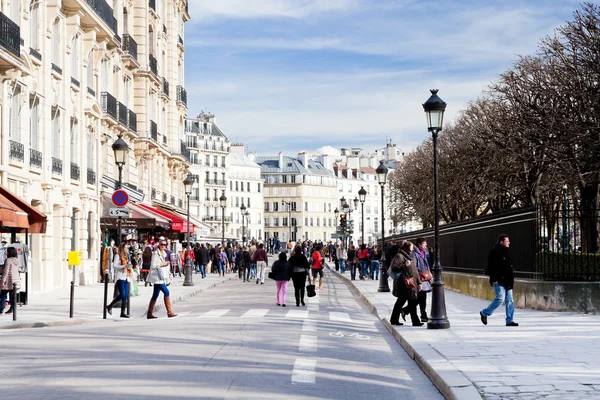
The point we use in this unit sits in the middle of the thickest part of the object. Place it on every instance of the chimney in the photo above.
(238, 148)
(353, 162)
(280, 159)
(303, 157)
(326, 161)
(364, 162)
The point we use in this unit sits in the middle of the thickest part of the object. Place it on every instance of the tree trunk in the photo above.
(588, 218)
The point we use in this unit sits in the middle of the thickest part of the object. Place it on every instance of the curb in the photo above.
(451, 383)
(74, 322)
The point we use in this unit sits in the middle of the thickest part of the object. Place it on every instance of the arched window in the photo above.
(56, 43)
(90, 70)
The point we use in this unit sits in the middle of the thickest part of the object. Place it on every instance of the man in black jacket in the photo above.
(502, 279)
(204, 258)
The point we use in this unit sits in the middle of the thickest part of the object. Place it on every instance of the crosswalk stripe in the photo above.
(297, 314)
(215, 313)
(309, 325)
(339, 316)
(308, 343)
(256, 313)
(304, 371)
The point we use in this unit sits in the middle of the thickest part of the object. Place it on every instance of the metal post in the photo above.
(290, 219)
(362, 224)
(188, 268)
(223, 226)
(383, 282)
(438, 319)
(105, 294)
(129, 300)
(243, 231)
(119, 186)
(13, 301)
(72, 298)
(565, 238)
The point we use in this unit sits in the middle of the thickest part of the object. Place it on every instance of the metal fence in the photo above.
(557, 245)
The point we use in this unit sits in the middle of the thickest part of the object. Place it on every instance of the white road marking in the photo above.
(309, 325)
(297, 314)
(339, 316)
(308, 343)
(256, 313)
(215, 313)
(313, 307)
(304, 371)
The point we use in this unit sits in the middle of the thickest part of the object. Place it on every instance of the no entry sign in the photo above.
(120, 198)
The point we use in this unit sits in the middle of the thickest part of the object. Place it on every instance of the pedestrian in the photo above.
(158, 275)
(251, 250)
(300, 271)
(197, 255)
(342, 255)
(375, 263)
(407, 285)
(245, 263)
(10, 275)
(123, 273)
(420, 257)
(222, 261)
(146, 264)
(281, 270)
(317, 266)
(203, 259)
(502, 279)
(363, 259)
(230, 258)
(260, 259)
(352, 261)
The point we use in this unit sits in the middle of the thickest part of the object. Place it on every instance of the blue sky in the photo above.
(298, 75)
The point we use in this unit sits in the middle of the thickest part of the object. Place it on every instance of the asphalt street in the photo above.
(231, 342)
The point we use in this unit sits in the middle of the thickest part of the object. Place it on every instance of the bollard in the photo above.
(72, 299)
(105, 294)
(129, 297)
(13, 300)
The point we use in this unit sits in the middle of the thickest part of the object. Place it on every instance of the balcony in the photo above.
(154, 131)
(91, 176)
(35, 54)
(153, 65)
(35, 158)
(132, 121)
(75, 82)
(130, 46)
(181, 95)
(10, 35)
(215, 218)
(105, 12)
(215, 182)
(122, 113)
(191, 142)
(91, 92)
(184, 151)
(152, 4)
(165, 88)
(57, 166)
(109, 104)
(17, 151)
(75, 173)
(57, 69)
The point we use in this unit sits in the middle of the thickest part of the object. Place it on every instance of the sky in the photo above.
(300, 75)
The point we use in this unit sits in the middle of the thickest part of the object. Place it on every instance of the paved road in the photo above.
(228, 343)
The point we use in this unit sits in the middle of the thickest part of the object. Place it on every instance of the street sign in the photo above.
(120, 198)
(119, 212)
(336, 236)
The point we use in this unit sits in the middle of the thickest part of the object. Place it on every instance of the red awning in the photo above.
(177, 224)
(17, 214)
(175, 215)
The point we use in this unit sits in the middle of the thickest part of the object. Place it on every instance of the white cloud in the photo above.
(328, 150)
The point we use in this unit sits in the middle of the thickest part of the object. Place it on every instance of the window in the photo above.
(15, 115)
(231, 186)
(284, 221)
(267, 206)
(207, 196)
(90, 70)
(237, 186)
(73, 133)
(248, 186)
(216, 161)
(329, 207)
(74, 230)
(91, 147)
(34, 124)
(75, 57)
(325, 207)
(284, 179)
(56, 42)
(56, 133)
(223, 178)
(276, 221)
(305, 221)
(248, 202)
(207, 161)
(34, 34)
(259, 189)
(318, 221)
(292, 192)
(104, 84)
(275, 206)
(306, 206)
(237, 201)
(151, 41)
(311, 221)
(207, 177)
(223, 162)
(294, 221)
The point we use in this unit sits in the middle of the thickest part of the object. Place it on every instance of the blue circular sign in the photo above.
(120, 198)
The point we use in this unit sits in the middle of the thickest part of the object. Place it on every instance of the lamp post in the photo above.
(188, 183)
(362, 195)
(121, 150)
(336, 212)
(243, 212)
(382, 172)
(247, 215)
(346, 208)
(434, 110)
(565, 237)
(223, 202)
(289, 207)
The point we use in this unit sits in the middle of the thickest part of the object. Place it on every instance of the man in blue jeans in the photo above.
(502, 279)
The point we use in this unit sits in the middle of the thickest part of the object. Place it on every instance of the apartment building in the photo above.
(245, 190)
(76, 75)
(300, 196)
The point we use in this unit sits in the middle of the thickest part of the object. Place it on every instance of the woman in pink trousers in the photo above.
(282, 271)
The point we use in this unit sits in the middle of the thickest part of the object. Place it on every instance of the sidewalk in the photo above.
(52, 308)
(551, 355)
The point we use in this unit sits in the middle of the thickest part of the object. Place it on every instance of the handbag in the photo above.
(310, 289)
(409, 283)
(426, 275)
(271, 275)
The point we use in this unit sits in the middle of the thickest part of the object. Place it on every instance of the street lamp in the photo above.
(434, 110)
(289, 206)
(247, 215)
(188, 183)
(121, 150)
(346, 208)
(565, 237)
(243, 212)
(362, 195)
(382, 172)
(223, 202)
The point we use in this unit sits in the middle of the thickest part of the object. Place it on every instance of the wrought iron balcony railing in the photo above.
(154, 131)
(35, 54)
(123, 114)
(105, 12)
(153, 65)
(166, 87)
(56, 69)
(16, 150)
(132, 121)
(75, 172)
(109, 104)
(130, 46)
(35, 158)
(181, 95)
(10, 35)
(91, 176)
(57, 166)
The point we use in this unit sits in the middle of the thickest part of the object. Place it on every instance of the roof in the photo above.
(270, 164)
(198, 126)
(368, 170)
(243, 161)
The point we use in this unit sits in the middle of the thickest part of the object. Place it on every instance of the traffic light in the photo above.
(343, 221)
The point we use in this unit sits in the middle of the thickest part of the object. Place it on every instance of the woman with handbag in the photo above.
(281, 273)
(363, 259)
(10, 275)
(420, 256)
(158, 274)
(146, 263)
(123, 274)
(300, 271)
(352, 262)
(407, 285)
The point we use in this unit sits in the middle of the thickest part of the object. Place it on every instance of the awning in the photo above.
(17, 214)
(183, 218)
(140, 218)
(200, 228)
(177, 224)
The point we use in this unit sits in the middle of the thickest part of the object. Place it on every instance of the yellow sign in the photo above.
(75, 257)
